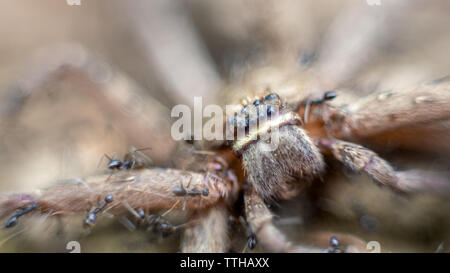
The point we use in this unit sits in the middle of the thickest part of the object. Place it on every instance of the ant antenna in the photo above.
(329, 95)
(140, 149)
(101, 159)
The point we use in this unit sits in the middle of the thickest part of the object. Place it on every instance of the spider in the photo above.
(313, 125)
(268, 176)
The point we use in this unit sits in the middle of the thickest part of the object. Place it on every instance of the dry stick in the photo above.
(269, 237)
(362, 160)
(149, 189)
(209, 231)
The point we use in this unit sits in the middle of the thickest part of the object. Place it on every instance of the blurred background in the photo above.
(78, 81)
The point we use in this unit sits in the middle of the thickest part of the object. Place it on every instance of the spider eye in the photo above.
(109, 198)
(256, 102)
(270, 110)
(329, 95)
(141, 213)
(232, 120)
(247, 125)
(271, 98)
(205, 192)
(245, 110)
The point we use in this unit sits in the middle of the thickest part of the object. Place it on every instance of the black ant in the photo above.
(159, 225)
(326, 97)
(91, 219)
(251, 237)
(154, 223)
(251, 243)
(130, 162)
(181, 191)
(12, 221)
(334, 246)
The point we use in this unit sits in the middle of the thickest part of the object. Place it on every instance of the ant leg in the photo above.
(309, 102)
(101, 159)
(251, 238)
(127, 223)
(169, 210)
(131, 210)
(107, 179)
(131, 155)
(142, 149)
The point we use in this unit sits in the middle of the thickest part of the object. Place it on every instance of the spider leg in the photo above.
(269, 237)
(208, 233)
(424, 181)
(384, 111)
(150, 189)
(362, 160)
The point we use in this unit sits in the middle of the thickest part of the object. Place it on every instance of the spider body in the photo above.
(277, 151)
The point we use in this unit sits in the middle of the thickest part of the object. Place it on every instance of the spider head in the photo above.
(275, 151)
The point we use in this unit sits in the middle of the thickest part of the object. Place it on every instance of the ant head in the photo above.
(90, 220)
(334, 242)
(205, 192)
(179, 191)
(114, 164)
(252, 242)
